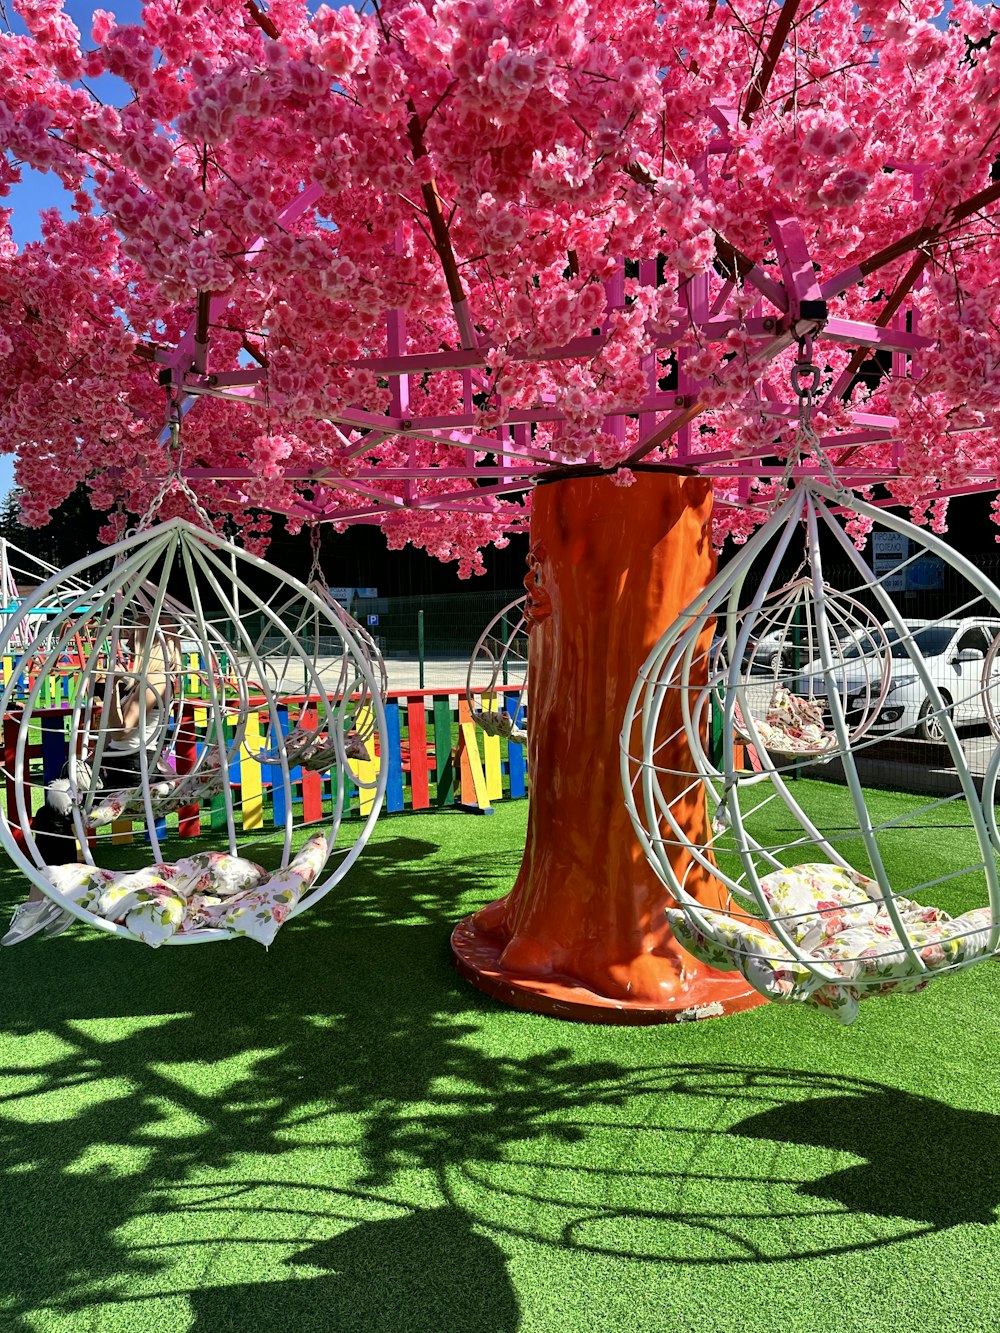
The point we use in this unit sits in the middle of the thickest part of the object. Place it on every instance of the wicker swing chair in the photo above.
(817, 910)
(307, 745)
(500, 652)
(204, 710)
(782, 691)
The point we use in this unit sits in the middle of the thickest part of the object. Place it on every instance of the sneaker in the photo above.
(35, 918)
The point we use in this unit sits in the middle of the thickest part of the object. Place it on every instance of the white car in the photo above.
(953, 650)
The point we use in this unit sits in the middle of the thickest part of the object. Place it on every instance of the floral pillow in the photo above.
(314, 750)
(792, 726)
(834, 916)
(815, 901)
(208, 890)
(167, 794)
(260, 912)
(499, 723)
(734, 945)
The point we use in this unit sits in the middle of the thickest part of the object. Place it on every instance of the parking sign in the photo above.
(889, 549)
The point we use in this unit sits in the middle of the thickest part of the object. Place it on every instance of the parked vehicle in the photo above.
(954, 651)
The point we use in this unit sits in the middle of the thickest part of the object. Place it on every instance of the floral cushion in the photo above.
(816, 901)
(167, 794)
(313, 750)
(211, 890)
(259, 913)
(734, 944)
(792, 726)
(837, 920)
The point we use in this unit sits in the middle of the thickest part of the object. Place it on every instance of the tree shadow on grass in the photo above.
(125, 1072)
(148, 1099)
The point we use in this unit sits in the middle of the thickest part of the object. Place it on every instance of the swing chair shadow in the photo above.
(517, 1119)
(926, 1161)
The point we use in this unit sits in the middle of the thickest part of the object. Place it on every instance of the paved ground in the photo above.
(404, 674)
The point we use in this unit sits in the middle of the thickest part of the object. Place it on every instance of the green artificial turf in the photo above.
(341, 1134)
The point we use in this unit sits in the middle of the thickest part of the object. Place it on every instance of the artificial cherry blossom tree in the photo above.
(453, 266)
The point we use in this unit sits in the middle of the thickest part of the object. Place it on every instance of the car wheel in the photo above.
(929, 721)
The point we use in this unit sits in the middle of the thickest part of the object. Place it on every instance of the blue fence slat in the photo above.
(272, 774)
(393, 743)
(54, 747)
(515, 752)
(161, 831)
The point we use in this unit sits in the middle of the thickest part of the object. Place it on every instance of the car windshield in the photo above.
(932, 640)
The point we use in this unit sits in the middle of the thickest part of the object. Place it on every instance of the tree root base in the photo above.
(476, 956)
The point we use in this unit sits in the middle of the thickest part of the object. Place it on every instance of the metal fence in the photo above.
(426, 641)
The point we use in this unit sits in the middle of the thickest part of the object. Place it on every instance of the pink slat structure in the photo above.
(481, 462)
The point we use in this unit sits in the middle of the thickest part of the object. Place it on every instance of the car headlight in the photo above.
(899, 682)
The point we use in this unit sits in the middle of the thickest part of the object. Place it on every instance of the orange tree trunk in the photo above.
(582, 934)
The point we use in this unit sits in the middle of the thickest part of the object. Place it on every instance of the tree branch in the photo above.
(758, 88)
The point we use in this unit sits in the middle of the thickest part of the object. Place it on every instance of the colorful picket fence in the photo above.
(60, 684)
(437, 758)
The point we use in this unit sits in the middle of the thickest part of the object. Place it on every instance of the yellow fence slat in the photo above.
(121, 831)
(491, 752)
(469, 730)
(365, 770)
(251, 784)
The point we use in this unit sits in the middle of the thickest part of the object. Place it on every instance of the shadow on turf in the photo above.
(355, 1018)
(425, 1273)
(925, 1160)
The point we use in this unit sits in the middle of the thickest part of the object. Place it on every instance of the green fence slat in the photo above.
(444, 768)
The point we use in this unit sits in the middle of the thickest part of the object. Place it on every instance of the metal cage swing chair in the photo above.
(314, 654)
(766, 686)
(19, 569)
(500, 658)
(165, 711)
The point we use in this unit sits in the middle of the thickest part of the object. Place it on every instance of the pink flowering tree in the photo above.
(420, 266)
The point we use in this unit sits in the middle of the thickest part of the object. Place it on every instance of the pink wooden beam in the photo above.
(447, 473)
(894, 338)
(676, 420)
(182, 355)
(806, 303)
(399, 385)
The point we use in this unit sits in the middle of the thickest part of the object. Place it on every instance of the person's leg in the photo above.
(120, 771)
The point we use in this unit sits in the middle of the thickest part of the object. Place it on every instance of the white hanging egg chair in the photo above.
(500, 658)
(140, 698)
(824, 907)
(21, 570)
(782, 690)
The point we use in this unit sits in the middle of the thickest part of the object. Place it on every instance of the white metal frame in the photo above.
(678, 665)
(136, 587)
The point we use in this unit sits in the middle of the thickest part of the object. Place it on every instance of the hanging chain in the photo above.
(805, 383)
(316, 574)
(175, 479)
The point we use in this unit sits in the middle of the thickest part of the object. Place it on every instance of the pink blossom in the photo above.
(562, 140)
